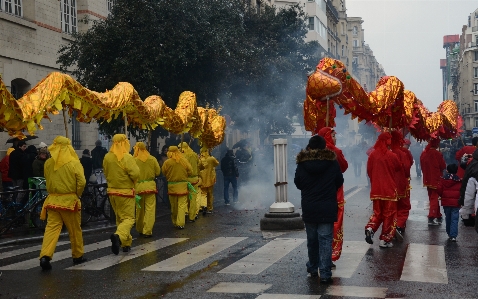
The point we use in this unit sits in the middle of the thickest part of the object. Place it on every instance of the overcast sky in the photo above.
(406, 37)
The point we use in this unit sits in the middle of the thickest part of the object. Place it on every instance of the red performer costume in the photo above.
(433, 165)
(403, 181)
(469, 149)
(329, 136)
(382, 168)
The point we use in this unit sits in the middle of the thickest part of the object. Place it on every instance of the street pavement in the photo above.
(226, 255)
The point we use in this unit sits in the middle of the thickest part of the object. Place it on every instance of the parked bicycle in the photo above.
(95, 204)
(15, 212)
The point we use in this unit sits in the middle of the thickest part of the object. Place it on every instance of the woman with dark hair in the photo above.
(87, 163)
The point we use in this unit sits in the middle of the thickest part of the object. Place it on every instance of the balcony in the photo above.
(332, 10)
(474, 28)
(470, 45)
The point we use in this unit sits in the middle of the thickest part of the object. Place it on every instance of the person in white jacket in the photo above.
(470, 203)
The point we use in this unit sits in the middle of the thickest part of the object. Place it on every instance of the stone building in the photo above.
(460, 71)
(32, 32)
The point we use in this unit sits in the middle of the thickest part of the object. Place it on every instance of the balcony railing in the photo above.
(474, 28)
(332, 9)
(470, 45)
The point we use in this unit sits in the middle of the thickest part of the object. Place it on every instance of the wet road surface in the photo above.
(225, 255)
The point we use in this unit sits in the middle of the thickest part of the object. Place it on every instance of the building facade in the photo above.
(460, 71)
(32, 32)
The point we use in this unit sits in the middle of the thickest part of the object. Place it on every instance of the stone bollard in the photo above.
(281, 214)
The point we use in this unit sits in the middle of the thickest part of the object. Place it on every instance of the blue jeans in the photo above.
(451, 220)
(319, 246)
(233, 181)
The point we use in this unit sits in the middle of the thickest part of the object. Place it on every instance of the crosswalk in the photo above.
(422, 263)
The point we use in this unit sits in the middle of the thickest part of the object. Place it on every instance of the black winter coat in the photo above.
(471, 171)
(17, 164)
(318, 177)
(229, 167)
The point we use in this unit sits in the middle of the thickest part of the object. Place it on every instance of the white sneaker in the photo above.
(384, 244)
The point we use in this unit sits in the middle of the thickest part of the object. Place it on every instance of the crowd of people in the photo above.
(319, 177)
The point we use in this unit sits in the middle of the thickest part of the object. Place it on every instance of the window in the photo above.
(343, 28)
(110, 4)
(355, 30)
(322, 30)
(475, 72)
(355, 60)
(342, 50)
(13, 7)
(68, 16)
(475, 89)
(476, 122)
(476, 106)
(356, 43)
(311, 23)
(476, 55)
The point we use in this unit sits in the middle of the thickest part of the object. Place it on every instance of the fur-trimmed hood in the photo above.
(316, 161)
(318, 154)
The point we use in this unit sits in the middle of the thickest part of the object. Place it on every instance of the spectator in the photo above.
(87, 163)
(39, 163)
(98, 154)
(230, 173)
(16, 165)
(449, 190)
(4, 165)
(318, 177)
(31, 153)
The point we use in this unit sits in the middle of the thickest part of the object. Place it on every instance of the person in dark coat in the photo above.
(449, 191)
(98, 154)
(230, 173)
(318, 177)
(30, 155)
(87, 163)
(16, 164)
(39, 164)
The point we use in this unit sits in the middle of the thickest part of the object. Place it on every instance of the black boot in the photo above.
(45, 263)
(115, 243)
(79, 260)
(127, 249)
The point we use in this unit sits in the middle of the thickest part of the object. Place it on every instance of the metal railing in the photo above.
(332, 9)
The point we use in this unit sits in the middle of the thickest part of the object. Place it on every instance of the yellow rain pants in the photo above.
(146, 215)
(208, 193)
(55, 220)
(124, 211)
(179, 206)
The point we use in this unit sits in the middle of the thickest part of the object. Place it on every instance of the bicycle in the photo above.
(14, 214)
(95, 203)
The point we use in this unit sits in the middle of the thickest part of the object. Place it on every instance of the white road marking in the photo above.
(195, 255)
(264, 257)
(353, 193)
(352, 254)
(425, 263)
(239, 288)
(4, 255)
(353, 291)
(58, 256)
(287, 296)
(111, 260)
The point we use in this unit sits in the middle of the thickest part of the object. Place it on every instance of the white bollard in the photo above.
(281, 204)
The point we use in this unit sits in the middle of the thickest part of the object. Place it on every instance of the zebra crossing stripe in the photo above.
(195, 255)
(111, 260)
(353, 291)
(4, 255)
(287, 296)
(264, 257)
(239, 288)
(425, 263)
(352, 254)
(58, 256)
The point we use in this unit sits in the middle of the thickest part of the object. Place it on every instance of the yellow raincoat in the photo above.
(65, 181)
(208, 179)
(146, 187)
(177, 169)
(121, 174)
(193, 178)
